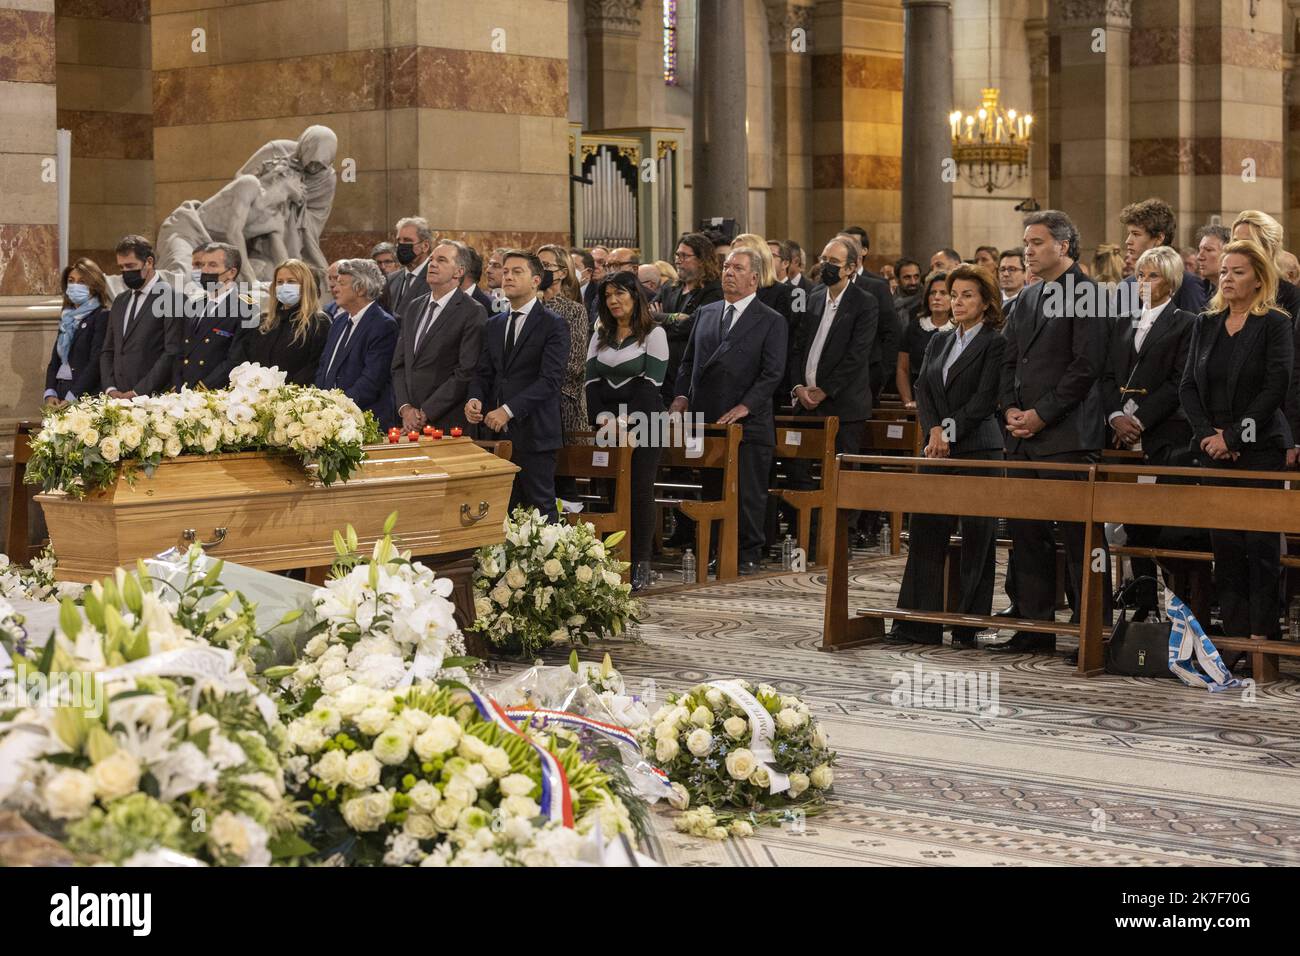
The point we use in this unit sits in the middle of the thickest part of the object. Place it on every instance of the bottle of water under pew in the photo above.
(787, 553)
(688, 567)
(1293, 619)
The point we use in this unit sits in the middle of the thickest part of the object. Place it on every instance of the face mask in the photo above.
(196, 276)
(210, 280)
(830, 273)
(77, 293)
(288, 294)
(406, 253)
(547, 279)
(133, 278)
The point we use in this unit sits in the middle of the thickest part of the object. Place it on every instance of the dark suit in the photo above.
(483, 299)
(210, 329)
(139, 359)
(529, 382)
(802, 282)
(721, 369)
(677, 301)
(402, 287)
(843, 368)
(83, 357)
(965, 406)
(1056, 350)
(1246, 564)
(363, 366)
(276, 347)
(884, 350)
(435, 376)
(1192, 295)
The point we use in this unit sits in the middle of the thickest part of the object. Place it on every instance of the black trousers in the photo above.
(928, 536)
(645, 466)
(534, 484)
(753, 466)
(1248, 564)
(1034, 545)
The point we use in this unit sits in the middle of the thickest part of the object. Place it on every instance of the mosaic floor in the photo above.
(1065, 771)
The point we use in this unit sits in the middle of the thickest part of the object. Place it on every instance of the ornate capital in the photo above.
(1096, 12)
(783, 18)
(618, 17)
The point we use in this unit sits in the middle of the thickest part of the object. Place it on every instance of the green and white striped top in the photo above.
(631, 359)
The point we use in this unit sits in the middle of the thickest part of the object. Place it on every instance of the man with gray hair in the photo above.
(414, 242)
(212, 321)
(385, 256)
(734, 361)
(1051, 401)
(358, 355)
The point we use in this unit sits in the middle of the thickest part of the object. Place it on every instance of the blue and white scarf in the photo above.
(1186, 637)
(68, 323)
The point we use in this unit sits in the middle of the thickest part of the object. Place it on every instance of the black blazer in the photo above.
(529, 382)
(676, 300)
(779, 297)
(276, 348)
(436, 378)
(140, 359)
(1054, 362)
(1158, 368)
(83, 355)
(969, 399)
(1262, 362)
(889, 332)
(843, 369)
(719, 372)
(207, 339)
(397, 293)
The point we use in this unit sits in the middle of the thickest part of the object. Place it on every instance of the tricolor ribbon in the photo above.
(1187, 637)
(620, 735)
(557, 802)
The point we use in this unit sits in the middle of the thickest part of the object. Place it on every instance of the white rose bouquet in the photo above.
(423, 778)
(81, 447)
(382, 622)
(35, 582)
(706, 742)
(550, 583)
(132, 734)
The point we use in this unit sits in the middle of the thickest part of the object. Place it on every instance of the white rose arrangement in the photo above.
(81, 446)
(702, 739)
(550, 583)
(35, 582)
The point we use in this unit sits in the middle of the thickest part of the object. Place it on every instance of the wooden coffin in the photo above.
(264, 510)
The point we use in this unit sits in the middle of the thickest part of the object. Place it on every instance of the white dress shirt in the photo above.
(740, 305)
(519, 321)
(819, 339)
(347, 335)
(960, 341)
(435, 308)
(1145, 321)
(136, 302)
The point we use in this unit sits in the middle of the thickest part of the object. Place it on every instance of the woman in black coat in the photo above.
(292, 333)
(74, 361)
(956, 405)
(1233, 390)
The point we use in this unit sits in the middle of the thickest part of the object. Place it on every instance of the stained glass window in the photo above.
(670, 42)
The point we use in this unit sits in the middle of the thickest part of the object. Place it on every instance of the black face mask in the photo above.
(133, 278)
(830, 273)
(547, 279)
(406, 253)
(210, 281)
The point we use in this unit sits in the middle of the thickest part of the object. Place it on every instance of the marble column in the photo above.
(614, 90)
(927, 102)
(453, 111)
(29, 241)
(1039, 85)
(721, 179)
(789, 206)
(1089, 125)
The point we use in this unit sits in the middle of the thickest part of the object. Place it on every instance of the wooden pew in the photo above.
(809, 438)
(896, 436)
(502, 449)
(719, 450)
(581, 459)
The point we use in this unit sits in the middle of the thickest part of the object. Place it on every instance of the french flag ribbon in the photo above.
(620, 735)
(557, 802)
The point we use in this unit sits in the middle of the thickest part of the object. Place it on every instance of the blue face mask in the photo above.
(78, 293)
(289, 294)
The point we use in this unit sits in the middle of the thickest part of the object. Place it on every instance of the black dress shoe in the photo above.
(1012, 611)
(908, 633)
(1027, 642)
(749, 567)
(1072, 658)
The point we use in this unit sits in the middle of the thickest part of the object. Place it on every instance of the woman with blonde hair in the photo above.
(773, 294)
(667, 274)
(292, 333)
(1233, 389)
(1108, 263)
(560, 294)
(1263, 229)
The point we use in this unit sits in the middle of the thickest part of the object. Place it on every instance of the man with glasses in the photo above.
(622, 260)
(1011, 276)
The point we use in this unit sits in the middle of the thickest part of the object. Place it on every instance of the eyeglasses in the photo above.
(682, 257)
(1010, 269)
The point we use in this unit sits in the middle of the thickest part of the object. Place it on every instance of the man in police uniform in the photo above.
(212, 321)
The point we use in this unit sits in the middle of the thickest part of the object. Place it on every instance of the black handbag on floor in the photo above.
(1137, 649)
